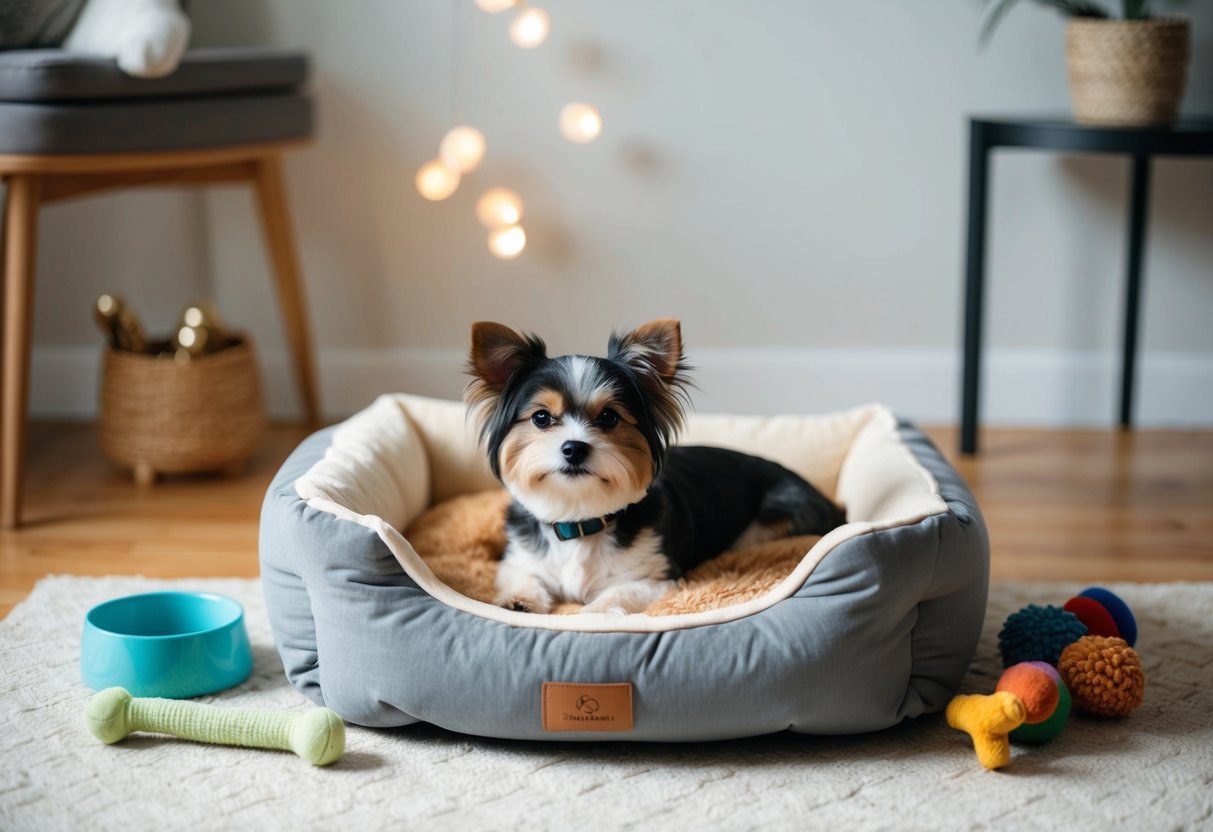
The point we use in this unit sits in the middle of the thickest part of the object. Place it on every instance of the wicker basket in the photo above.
(159, 415)
(1128, 73)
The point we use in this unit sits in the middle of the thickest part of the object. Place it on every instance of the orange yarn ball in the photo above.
(1104, 675)
(1035, 689)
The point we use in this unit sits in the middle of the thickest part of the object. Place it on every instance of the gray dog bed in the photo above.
(876, 624)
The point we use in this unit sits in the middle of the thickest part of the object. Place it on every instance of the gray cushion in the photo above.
(56, 75)
(135, 125)
(29, 23)
(882, 629)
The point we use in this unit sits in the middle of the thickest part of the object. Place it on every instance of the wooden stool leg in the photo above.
(280, 240)
(20, 261)
(145, 474)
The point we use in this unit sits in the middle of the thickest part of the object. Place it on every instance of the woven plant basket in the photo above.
(159, 415)
(1128, 73)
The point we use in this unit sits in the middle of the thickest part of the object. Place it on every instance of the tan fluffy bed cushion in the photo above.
(461, 540)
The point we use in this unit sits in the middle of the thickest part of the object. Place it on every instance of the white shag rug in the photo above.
(1153, 770)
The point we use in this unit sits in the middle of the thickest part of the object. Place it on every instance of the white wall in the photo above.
(786, 177)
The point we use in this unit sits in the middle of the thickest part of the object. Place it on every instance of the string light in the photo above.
(462, 148)
(495, 6)
(498, 207)
(508, 242)
(529, 28)
(580, 123)
(435, 181)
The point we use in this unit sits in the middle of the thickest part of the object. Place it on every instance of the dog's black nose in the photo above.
(575, 452)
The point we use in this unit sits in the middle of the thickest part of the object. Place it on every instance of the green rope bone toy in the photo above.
(317, 735)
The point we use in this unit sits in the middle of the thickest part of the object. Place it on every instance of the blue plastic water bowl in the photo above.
(167, 644)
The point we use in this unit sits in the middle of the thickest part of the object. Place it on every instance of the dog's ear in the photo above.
(498, 351)
(653, 352)
(650, 349)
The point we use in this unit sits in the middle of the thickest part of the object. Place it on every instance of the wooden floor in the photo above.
(1081, 505)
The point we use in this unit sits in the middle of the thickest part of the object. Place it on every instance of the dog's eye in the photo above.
(542, 419)
(607, 419)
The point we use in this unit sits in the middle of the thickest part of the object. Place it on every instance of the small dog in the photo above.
(605, 512)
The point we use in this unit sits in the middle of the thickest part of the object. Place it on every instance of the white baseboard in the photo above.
(1020, 387)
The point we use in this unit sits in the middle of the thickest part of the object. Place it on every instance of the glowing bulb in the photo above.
(529, 28)
(498, 208)
(580, 123)
(435, 181)
(462, 148)
(508, 242)
(495, 6)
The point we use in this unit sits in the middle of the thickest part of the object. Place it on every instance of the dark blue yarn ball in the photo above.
(1038, 634)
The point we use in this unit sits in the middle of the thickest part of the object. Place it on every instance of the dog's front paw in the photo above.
(524, 603)
(520, 590)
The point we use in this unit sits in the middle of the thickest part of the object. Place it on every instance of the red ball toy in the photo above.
(1092, 613)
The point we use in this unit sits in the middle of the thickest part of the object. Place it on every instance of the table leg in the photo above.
(974, 287)
(20, 247)
(1138, 208)
(280, 240)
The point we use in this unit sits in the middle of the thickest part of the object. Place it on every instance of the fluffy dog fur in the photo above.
(462, 540)
(605, 513)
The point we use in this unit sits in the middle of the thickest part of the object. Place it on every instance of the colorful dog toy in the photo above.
(1104, 675)
(1097, 671)
(988, 720)
(1048, 728)
(1027, 695)
(1038, 634)
(1122, 616)
(316, 735)
(1035, 689)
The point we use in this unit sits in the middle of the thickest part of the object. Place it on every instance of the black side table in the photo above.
(1192, 137)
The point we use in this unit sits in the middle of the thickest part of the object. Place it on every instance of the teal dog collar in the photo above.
(579, 528)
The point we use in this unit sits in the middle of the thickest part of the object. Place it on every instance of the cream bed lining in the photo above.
(390, 462)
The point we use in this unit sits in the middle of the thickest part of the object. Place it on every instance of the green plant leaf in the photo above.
(1071, 8)
(1076, 8)
(998, 10)
(1135, 9)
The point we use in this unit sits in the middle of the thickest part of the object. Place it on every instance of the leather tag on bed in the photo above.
(591, 707)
